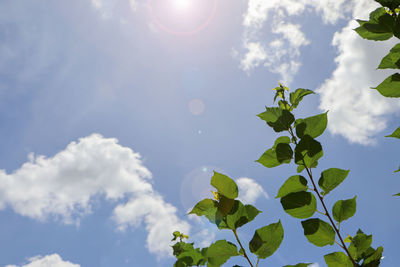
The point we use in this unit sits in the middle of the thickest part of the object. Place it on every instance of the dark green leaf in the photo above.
(378, 28)
(225, 185)
(238, 216)
(344, 209)
(359, 245)
(267, 240)
(190, 258)
(390, 87)
(280, 120)
(331, 178)
(374, 260)
(338, 259)
(298, 265)
(398, 170)
(313, 126)
(391, 60)
(280, 153)
(307, 152)
(181, 247)
(300, 204)
(293, 184)
(391, 4)
(395, 134)
(219, 252)
(297, 96)
(318, 232)
(398, 195)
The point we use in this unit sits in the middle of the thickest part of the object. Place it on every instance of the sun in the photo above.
(182, 5)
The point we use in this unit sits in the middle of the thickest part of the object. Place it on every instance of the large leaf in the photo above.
(293, 184)
(313, 126)
(344, 209)
(225, 185)
(206, 207)
(267, 240)
(374, 260)
(307, 152)
(190, 258)
(391, 60)
(378, 28)
(395, 134)
(360, 244)
(331, 178)
(338, 259)
(300, 204)
(318, 232)
(297, 96)
(280, 120)
(280, 153)
(219, 252)
(390, 87)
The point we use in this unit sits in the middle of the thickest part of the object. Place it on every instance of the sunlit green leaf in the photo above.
(390, 87)
(297, 96)
(331, 178)
(293, 184)
(280, 153)
(238, 216)
(395, 134)
(344, 209)
(338, 259)
(359, 245)
(225, 185)
(391, 60)
(378, 28)
(280, 120)
(398, 195)
(313, 126)
(206, 207)
(374, 260)
(318, 232)
(300, 204)
(307, 152)
(219, 252)
(267, 240)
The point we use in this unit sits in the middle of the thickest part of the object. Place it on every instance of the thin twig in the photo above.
(240, 244)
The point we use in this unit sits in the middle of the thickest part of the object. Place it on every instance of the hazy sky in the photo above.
(114, 113)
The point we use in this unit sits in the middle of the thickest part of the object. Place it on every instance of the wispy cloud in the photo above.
(250, 190)
(53, 260)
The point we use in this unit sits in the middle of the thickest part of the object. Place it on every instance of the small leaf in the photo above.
(344, 209)
(390, 87)
(225, 185)
(359, 245)
(313, 126)
(280, 120)
(299, 265)
(318, 232)
(391, 60)
(300, 204)
(297, 96)
(206, 207)
(308, 151)
(293, 184)
(219, 252)
(267, 240)
(280, 153)
(398, 195)
(338, 259)
(331, 178)
(395, 134)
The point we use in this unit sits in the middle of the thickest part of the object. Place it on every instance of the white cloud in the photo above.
(64, 187)
(292, 33)
(254, 56)
(356, 111)
(250, 190)
(53, 260)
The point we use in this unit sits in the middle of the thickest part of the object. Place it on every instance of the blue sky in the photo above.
(113, 115)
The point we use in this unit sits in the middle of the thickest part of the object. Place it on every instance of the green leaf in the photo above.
(206, 207)
(395, 134)
(378, 28)
(181, 247)
(331, 178)
(338, 259)
(280, 120)
(398, 195)
(374, 260)
(307, 152)
(219, 252)
(293, 184)
(313, 126)
(225, 185)
(300, 204)
(267, 240)
(297, 96)
(344, 209)
(359, 245)
(318, 232)
(390, 87)
(391, 4)
(176, 234)
(397, 170)
(280, 153)
(238, 216)
(391, 60)
(298, 265)
(190, 258)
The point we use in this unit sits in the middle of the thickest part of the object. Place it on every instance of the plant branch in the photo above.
(244, 251)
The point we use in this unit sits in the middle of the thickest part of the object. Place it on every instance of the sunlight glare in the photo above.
(183, 5)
